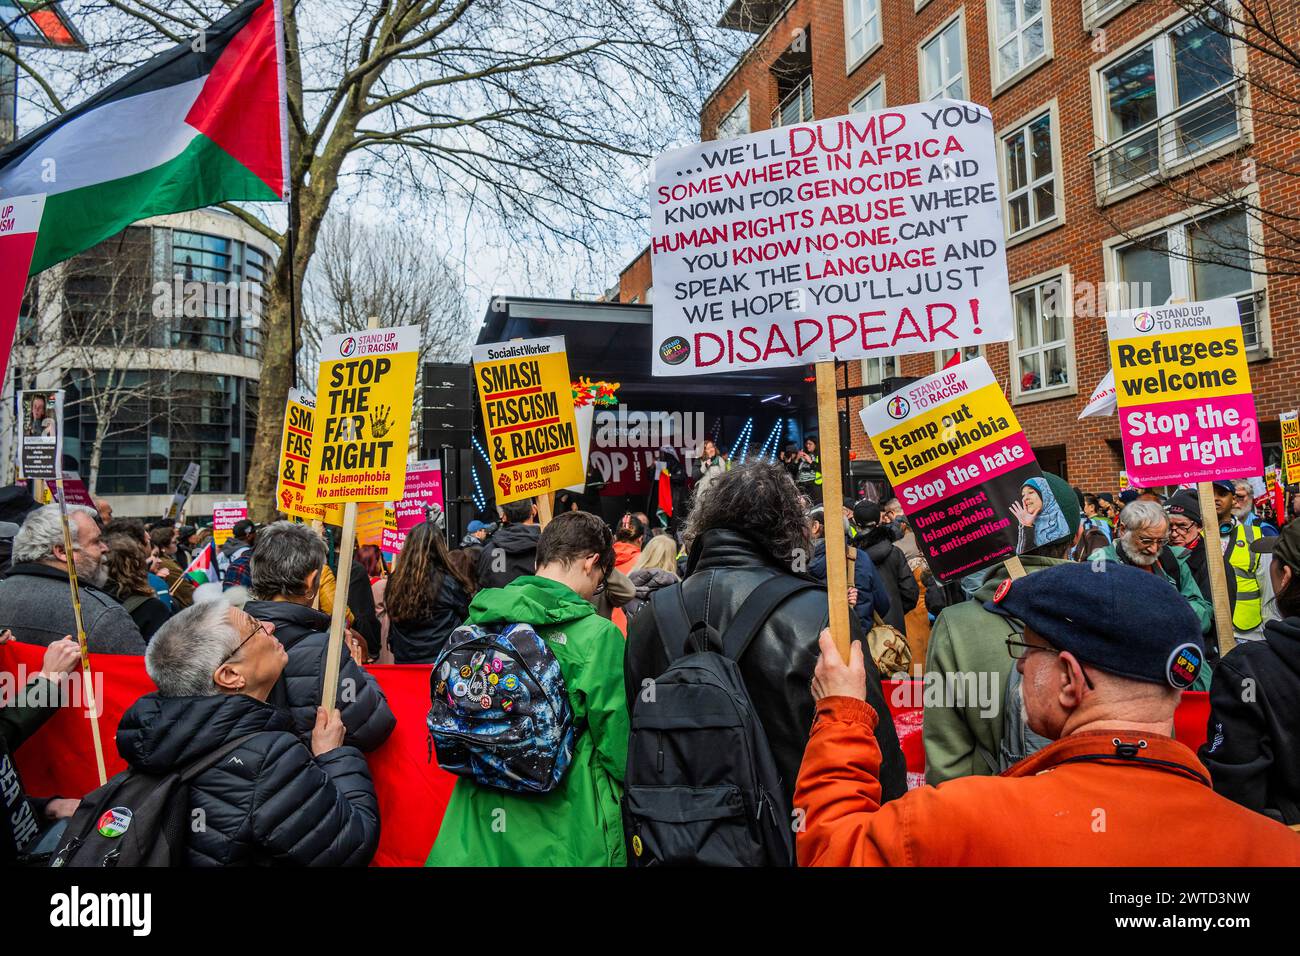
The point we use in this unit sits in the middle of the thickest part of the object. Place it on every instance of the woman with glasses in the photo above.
(273, 800)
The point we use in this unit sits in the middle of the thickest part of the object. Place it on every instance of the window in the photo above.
(736, 122)
(1029, 174)
(1167, 101)
(875, 371)
(1020, 37)
(1042, 360)
(946, 355)
(872, 99)
(796, 106)
(1207, 257)
(233, 276)
(1097, 12)
(943, 73)
(861, 30)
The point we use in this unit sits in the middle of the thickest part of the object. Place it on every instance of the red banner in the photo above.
(413, 792)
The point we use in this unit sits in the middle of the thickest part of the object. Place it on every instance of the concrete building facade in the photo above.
(167, 315)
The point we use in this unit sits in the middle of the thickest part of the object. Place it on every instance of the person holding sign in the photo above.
(285, 577)
(34, 596)
(1104, 689)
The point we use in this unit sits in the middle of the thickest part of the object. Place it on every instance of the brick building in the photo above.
(1127, 142)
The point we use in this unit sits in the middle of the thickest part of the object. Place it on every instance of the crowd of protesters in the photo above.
(1067, 668)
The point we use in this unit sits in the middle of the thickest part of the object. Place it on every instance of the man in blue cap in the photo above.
(1105, 658)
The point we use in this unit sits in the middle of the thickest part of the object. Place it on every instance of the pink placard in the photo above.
(1197, 439)
(423, 488)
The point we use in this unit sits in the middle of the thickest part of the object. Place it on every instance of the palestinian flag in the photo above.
(187, 129)
(203, 568)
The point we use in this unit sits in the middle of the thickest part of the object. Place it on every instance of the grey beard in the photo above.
(1138, 558)
(96, 578)
(1240, 513)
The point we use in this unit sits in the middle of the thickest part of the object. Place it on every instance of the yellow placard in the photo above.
(1206, 363)
(364, 403)
(950, 429)
(295, 461)
(1291, 447)
(526, 397)
(370, 522)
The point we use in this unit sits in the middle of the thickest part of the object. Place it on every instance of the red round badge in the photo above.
(1001, 592)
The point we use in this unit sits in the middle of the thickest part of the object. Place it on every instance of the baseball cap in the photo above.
(476, 526)
(1226, 487)
(1285, 545)
(866, 514)
(1119, 620)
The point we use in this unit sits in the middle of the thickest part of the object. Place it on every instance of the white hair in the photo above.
(184, 654)
(1241, 484)
(43, 529)
(1142, 514)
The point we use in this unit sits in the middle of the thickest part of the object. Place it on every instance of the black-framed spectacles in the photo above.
(1019, 650)
(240, 646)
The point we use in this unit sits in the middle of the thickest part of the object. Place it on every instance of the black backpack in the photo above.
(702, 786)
(136, 819)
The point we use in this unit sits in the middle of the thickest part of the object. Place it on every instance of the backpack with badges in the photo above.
(500, 711)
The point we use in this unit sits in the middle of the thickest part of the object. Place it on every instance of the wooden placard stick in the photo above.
(1214, 561)
(1014, 568)
(837, 586)
(87, 679)
(544, 512)
(339, 613)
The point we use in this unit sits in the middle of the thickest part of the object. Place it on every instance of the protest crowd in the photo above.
(629, 743)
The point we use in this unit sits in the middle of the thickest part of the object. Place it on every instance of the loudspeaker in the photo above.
(449, 406)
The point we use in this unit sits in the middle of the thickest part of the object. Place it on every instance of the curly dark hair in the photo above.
(128, 563)
(759, 501)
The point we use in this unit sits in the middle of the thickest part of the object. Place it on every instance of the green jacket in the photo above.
(579, 823)
(968, 652)
(1187, 587)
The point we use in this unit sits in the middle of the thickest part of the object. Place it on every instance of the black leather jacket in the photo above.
(778, 665)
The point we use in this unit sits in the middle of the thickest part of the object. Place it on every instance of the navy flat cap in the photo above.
(1119, 619)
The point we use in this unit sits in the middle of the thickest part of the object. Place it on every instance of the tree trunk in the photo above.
(96, 455)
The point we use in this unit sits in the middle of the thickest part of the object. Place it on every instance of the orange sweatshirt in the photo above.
(1044, 811)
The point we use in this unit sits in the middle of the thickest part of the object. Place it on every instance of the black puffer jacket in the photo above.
(518, 544)
(304, 632)
(420, 642)
(270, 801)
(778, 666)
(1252, 747)
(891, 564)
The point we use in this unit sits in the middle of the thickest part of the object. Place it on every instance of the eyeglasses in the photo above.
(1240, 496)
(252, 634)
(1144, 542)
(1019, 650)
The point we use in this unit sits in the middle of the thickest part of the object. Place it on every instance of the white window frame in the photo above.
(1168, 163)
(1097, 12)
(1001, 83)
(850, 62)
(1180, 277)
(1020, 126)
(939, 359)
(742, 104)
(1070, 387)
(935, 36)
(920, 5)
(878, 85)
